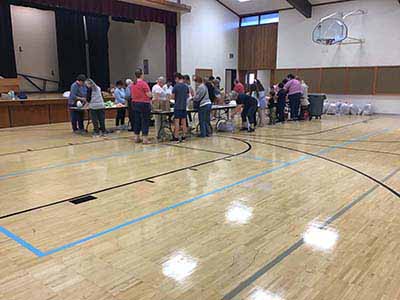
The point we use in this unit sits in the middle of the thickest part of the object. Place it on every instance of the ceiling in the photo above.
(258, 6)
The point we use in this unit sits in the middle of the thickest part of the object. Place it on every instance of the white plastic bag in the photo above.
(345, 109)
(331, 109)
(354, 109)
(338, 106)
(367, 110)
(326, 107)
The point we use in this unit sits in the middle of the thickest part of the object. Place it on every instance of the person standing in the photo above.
(78, 93)
(204, 104)
(305, 103)
(141, 106)
(128, 98)
(281, 103)
(180, 94)
(293, 88)
(96, 106)
(119, 94)
(239, 87)
(159, 98)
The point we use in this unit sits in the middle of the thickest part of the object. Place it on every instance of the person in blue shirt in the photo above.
(77, 98)
(120, 99)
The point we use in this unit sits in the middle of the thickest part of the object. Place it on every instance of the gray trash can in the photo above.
(316, 105)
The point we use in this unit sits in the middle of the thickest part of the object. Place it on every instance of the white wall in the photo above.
(380, 28)
(34, 31)
(130, 44)
(265, 77)
(206, 36)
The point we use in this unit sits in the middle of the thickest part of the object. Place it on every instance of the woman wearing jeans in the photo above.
(204, 103)
(96, 106)
(141, 102)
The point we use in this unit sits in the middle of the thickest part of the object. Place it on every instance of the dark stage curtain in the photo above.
(112, 8)
(71, 46)
(97, 28)
(101, 7)
(170, 52)
(7, 55)
(142, 13)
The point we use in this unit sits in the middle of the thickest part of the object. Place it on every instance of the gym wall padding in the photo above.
(312, 77)
(333, 81)
(388, 80)
(361, 81)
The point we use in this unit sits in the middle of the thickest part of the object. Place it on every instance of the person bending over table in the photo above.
(141, 105)
(77, 98)
(180, 94)
(248, 107)
(203, 102)
(96, 106)
(119, 94)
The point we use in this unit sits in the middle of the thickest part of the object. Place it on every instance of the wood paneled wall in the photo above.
(258, 47)
(347, 80)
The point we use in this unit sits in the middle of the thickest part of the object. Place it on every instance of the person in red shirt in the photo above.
(141, 106)
(239, 87)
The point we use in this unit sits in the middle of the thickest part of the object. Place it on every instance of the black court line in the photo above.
(150, 178)
(69, 144)
(278, 259)
(194, 148)
(273, 138)
(393, 191)
(337, 147)
(323, 131)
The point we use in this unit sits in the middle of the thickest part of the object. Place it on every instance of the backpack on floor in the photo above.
(226, 126)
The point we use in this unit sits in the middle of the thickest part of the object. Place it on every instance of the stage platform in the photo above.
(39, 108)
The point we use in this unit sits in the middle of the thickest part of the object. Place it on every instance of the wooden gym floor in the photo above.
(299, 211)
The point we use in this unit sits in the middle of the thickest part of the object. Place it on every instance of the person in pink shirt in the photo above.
(141, 106)
(294, 91)
(239, 87)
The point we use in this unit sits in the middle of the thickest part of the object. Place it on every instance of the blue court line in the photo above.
(72, 164)
(259, 158)
(40, 253)
(22, 242)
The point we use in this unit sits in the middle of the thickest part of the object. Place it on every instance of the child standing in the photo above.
(119, 94)
(281, 103)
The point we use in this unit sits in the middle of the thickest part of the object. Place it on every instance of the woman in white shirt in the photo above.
(159, 96)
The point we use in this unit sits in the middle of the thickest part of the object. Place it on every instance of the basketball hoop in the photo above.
(332, 30)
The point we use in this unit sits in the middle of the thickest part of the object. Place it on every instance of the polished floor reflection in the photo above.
(299, 211)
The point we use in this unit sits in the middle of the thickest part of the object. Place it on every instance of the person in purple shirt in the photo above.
(294, 91)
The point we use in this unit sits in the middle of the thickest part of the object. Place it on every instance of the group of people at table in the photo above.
(137, 97)
(292, 90)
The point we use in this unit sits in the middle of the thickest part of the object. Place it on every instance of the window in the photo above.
(249, 21)
(259, 20)
(269, 18)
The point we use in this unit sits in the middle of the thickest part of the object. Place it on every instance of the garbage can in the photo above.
(316, 105)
